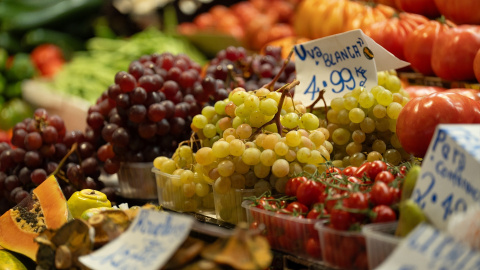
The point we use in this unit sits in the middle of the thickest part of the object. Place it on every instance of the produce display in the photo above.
(223, 139)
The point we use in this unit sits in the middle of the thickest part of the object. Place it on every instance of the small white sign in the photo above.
(429, 248)
(148, 244)
(449, 181)
(338, 64)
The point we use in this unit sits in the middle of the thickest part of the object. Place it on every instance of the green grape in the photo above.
(261, 187)
(244, 131)
(315, 157)
(392, 156)
(328, 145)
(222, 185)
(295, 168)
(317, 137)
(261, 171)
(353, 147)
(268, 157)
(379, 146)
(229, 131)
(237, 147)
(241, 111)
(290, 120)
(306, 142)
(343, 118)
(205, 156)
(382, 77)
(288, 104)
(394, 109)
(374, 155)
(213, 174)
(209, 130)
(310, 168)
(357, 92)
(357, 159)
(237, 121)
(346, 161)
(186, 177)
(238, 97)
(300, 108)
(189, 190)
(220, 107)
(350, 103)
(368, 125)
(366, 100)
(379, 111)
(384, 97)
(397, 97)
(341, 136)
(281, 148)
(332, 116)
(224, 123)
(168, 166)
(226, 167)
(202, 189)
(356, 115)
(376, 89)
(158, 161)
(310, 121)
(262, 92)
(238, 181)
(251, 102)
(259, 139)
(257, 119)
(275, 96)
(337, 104)
(393, 83)
(303, 154)
(230, 109)
(270, 141)
(199, 121)
(251, 156)
(325, 132)
(280, 168)
(353, 126)
(291, 155)
(293, 138)
(394, 141)
(268, 106)
(250, 179)
(382, 124)
(240, 166)
(271, 128)
(392, 125)
(208, 112)
(358, 136)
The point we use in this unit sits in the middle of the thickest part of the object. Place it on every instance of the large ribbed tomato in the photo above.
(419, 44)
(476, 65)
(453, 52)
(420, 116)
(391, 34)
(460, 11)
(424, 7)
(422, 90)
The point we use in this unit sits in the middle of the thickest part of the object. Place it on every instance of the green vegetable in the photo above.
(21, 68)
(13, 112)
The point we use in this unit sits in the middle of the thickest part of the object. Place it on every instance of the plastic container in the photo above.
(174, 196)
(286, 233)
(342, 249)
(136, 180)
(228, 206)
(381, 241)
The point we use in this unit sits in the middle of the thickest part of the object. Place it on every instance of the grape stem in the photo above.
(57, 171)
(270, 85)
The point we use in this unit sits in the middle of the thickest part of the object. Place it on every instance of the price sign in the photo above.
(339, 64)
(428, 248)
(448, 181)
(148, 243)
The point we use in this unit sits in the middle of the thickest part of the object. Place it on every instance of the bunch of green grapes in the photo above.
(362, 123)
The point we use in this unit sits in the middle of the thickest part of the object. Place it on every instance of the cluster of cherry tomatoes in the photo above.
(343, 200)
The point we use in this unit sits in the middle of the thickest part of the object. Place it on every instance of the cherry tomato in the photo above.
(376, 167)
(266, 203)
(309, 192)
(333, 171)
(331, 202)
(349, 171)
(385, 176)
(383, 213)
(297, 207)
(293, 184)
(317, 212)
(340, 219)
(397, 194)
(313, 248)
(363, 169)
(356, 200)
(355, 180)
(381, 194)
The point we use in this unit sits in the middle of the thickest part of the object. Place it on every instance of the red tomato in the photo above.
(331, 202)
(460, 11)
(385, 176)
(349, 171)
(476, 65)
(316, 212)
(376, 167)
(397, 194)
(293, 184)
(423, 7)
(266, 203)
(383, 213)
(419, 44)
(422, 90)
(355, 180)
(419, 117)
(309, 192)
(470, 93)
(363, 169)
(313, 248)
(340, 219)
(48, 59)
(333, 171)
(453, 52)
(297, 207)
(356, 200)
(381, 194)
(391, 34)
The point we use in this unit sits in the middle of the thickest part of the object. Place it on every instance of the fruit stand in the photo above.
(284, 134)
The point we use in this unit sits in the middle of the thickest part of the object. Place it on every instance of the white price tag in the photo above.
(148, 244)
(338, 64)
(428, 248)
(449, 179)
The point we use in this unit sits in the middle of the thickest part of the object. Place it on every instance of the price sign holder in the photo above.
(148, 244)
(429, 248)
(338, 64)
(450, 174)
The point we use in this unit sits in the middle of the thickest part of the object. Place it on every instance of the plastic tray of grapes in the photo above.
(286, 233)
(136, 180)
(228, 204)
(381, 241)
(182, 197)
(342, 249)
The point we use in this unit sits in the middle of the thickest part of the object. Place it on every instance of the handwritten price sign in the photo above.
(448, 182)
(339, 64)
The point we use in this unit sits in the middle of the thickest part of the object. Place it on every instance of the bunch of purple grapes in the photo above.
(147, 112)
(233, 67)
(39, 146)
